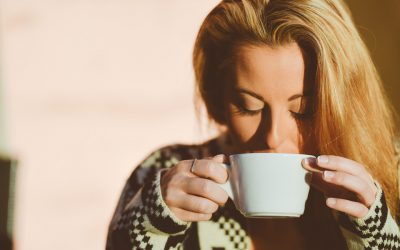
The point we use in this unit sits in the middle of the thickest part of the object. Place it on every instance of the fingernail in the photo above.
(331, 201)
(308, 161)
(328, 174)
(322, 159)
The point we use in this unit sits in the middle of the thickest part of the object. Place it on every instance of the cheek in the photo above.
(244, 127)
(295, 136)
(306, 139)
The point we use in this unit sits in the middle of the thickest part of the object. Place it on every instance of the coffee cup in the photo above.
(267, 184)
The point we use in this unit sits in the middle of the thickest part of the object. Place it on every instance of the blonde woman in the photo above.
(276, 76)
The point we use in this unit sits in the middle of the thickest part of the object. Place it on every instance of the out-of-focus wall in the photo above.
(91, 88)
(379, 25)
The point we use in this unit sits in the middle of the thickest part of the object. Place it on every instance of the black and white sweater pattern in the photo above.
(142, 220)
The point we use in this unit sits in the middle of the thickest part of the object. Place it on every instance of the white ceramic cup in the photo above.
(267, 184)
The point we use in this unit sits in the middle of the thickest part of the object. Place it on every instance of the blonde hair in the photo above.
(353, 117)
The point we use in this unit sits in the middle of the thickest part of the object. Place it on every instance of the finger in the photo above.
(352, 183)
(189, 216)
(210, 169)
(352, 208)
(195, 204)
(221, 158)
(318, 182)
(342, 164)
(338, 163)
(205, 188)
(330, 189)
(310, 164)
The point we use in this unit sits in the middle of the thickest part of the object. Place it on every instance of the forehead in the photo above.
(271, 72)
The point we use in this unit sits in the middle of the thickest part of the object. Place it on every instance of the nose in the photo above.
(275, 133)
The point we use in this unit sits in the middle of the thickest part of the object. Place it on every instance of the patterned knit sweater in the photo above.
(142, 220)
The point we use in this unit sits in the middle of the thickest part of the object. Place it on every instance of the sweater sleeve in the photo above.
(376, 230)
(142, 220)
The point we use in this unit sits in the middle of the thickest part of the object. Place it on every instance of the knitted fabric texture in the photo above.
(142, 220)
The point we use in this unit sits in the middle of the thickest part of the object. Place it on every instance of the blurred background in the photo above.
(89, 88)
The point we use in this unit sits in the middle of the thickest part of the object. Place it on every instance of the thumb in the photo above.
(221, 158)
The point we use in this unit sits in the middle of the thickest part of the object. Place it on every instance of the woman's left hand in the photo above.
(347, 184)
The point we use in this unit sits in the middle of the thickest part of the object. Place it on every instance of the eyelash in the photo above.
(243, 111)
(299, 116)
(246, 112)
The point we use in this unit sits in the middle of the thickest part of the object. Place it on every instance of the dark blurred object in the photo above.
(379, 25)
(7, 194)
(5, 243)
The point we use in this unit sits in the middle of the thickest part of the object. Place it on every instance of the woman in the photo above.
(276, 76)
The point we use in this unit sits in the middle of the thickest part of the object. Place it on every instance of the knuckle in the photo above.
(170, 183)
(220, 174)
(332, 160)
(181, 166)
(170, 190)
(226, 175)
(185, 162)
(204, 217)
(217, 158)
(213, 208)
(224, 198)
(176, 212)
(359, 169)
(362, 211)
(168, 197)
(365, 211)
(369, 197)
(347, 206)
(337, 161)
(177, 178)
(365, 189)
(165, 178)
(339, 178)
(201, 206)
(209, 169)
(205, 187)
(370, 202)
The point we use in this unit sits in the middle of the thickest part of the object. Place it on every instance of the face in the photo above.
(267, 102)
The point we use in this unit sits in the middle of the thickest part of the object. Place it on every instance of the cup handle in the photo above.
(227, 185)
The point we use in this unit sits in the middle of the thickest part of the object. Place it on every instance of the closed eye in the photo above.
(300, 116)
(247, 112)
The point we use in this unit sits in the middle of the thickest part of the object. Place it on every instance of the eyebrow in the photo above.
(253, 94)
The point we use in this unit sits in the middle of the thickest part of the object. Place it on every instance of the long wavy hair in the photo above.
(353, 117)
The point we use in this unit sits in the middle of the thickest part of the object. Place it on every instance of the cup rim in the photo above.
(282, 154)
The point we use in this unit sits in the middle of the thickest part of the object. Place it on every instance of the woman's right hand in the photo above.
(195, 195)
